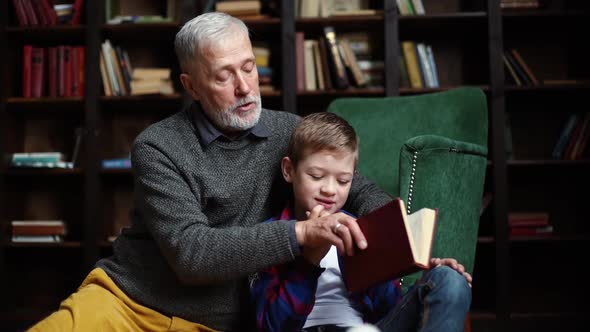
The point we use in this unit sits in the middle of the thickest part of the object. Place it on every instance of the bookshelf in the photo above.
(515, 284)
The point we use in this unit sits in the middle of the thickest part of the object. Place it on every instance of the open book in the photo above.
(398, 244)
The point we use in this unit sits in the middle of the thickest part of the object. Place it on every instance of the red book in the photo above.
(61, 71)
(68, 72)
(27, 57)
(77, 16)
(398, 244)
(20, 12)
(75, 71)
(81, 66)
(52, 71)
(48, 11)
(30, 12)
(528, 219)
(37, 67)
(532, 231)
(39, 12)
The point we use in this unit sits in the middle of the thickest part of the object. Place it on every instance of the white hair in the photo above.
(200, 31)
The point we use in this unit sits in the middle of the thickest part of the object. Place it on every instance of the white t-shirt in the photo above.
(332, 305)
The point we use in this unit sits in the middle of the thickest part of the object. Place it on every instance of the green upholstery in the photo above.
(430, 150)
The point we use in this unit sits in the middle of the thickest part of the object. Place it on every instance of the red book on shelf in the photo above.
(40, 13)
(80, 69)
(21, 16)
(48, 11)
(52, 75)
(68, 71)
(30, 12)
(37, 67)
(75, 71)
(77, 16)
(528, 219)
(532, 231)
(61, 71)
(27, 58)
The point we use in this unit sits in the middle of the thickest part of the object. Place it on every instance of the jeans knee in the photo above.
(452, 285)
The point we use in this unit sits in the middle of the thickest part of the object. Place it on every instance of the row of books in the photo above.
(420, 65)
(520, 72)
(572, 143)
(30, 231)
(44, 12)
(56, 71)
(529, 224)
(410, 7)
(119, 78)
(329, 62)
(327, 8)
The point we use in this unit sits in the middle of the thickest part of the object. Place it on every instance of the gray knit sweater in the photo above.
(196, 231)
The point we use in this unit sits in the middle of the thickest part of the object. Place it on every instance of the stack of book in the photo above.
(534, 224)
(39, 160)
(328, 8)
(519, 4)
(262, 54)
(410, 7)
(46, 231)
(244, 9)
(151, 80)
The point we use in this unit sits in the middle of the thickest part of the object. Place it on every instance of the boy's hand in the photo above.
(324, 230)
(452, 263)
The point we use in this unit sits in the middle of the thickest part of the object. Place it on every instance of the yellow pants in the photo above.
(99, 305)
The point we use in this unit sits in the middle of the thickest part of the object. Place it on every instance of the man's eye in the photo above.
(249, 67)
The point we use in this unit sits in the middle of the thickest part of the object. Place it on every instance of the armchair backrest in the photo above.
(430, 150)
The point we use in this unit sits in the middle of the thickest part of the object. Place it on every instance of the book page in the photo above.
(421, 227)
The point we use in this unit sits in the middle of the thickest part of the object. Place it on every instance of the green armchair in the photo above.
(430, 150)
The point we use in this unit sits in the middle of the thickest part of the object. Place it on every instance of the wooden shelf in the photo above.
(344, 92)
(40, 171)
(549, 239)
(45, 104)
(140, 31)
(547, 163)
(44, 34)
(65, 244)
(115, 171)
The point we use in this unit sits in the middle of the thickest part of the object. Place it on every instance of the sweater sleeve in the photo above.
(365, 196)
(284, 295)
(198, 252)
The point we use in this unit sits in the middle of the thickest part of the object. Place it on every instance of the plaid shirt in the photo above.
(284, 295)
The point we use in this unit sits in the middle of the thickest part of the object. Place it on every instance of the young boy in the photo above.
(320, 164)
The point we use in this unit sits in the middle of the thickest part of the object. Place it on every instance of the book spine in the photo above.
(52, 74)
(409, 52)
(37, 70)
(27, 66)
(20, 12)
(340, 79)
(300, 60)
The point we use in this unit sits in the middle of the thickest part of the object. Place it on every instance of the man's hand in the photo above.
(322, 230)
(452, 263)
(315, 255)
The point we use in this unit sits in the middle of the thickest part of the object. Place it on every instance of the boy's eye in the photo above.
(344, 181)
(315, 177)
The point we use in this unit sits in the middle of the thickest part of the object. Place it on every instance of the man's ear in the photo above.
(287, 169)
(187, 83)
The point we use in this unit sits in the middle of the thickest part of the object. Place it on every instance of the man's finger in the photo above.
(357, 235)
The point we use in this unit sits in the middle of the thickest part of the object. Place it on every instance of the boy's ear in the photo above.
(287, 169)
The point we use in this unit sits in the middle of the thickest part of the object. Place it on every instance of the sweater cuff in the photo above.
(293, 239)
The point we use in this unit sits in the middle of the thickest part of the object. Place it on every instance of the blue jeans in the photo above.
(439, 301)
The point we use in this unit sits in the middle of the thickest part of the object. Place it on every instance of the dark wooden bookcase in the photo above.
(520, 283)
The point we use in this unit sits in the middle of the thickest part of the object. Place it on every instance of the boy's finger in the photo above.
(316, 212)
(344, 233)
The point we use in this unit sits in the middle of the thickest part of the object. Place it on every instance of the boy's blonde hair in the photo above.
(321, 131)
